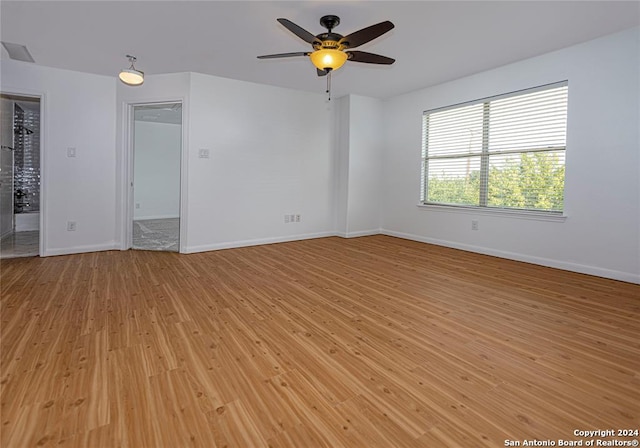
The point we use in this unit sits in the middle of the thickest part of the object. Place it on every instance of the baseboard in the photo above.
(81, 249)
(564, 265)
(358, 233)
(567, 266)
(144, 218)
(255, 242)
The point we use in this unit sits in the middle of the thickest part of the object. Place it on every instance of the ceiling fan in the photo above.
(331, 50)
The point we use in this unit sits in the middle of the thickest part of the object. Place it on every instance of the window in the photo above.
(504, 152)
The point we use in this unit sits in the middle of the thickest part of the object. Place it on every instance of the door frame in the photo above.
(10, 150)
(44, 137)
(128, 168)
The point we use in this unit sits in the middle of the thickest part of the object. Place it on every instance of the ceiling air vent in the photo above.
(18, 52)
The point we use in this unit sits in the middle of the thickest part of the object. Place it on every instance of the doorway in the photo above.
(157, 152)
(19, 176)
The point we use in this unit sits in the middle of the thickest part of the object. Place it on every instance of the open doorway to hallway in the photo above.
(157, 149)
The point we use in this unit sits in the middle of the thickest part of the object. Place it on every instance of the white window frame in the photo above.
(483, 208)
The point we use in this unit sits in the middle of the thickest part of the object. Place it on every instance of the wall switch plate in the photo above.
(137, 205)
(71, 226)
(71, 152)
(286, 219)
(203, 153)
(297, 218)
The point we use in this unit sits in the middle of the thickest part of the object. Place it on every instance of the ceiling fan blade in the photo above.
(369, 58)
(321, 72)
(284, 55)
(365, 35)
(299, 31)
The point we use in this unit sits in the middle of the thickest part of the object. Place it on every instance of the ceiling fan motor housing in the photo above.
(330, 21)
(328, 44)
(330, 40)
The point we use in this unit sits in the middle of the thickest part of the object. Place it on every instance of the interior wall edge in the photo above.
(360, 233)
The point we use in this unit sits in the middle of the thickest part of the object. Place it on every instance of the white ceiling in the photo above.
(433, 42)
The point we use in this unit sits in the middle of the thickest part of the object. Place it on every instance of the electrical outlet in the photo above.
(474, 224)
(71, 226)
(137, 205)
(203, 153)
(71, 152)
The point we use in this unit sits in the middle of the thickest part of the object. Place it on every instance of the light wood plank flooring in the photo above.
(366, 342)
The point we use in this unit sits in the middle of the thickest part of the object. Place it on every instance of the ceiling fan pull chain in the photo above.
(329, 86)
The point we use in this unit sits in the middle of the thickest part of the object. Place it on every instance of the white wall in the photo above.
(365, 167)
(340, 142)
(157, 170)
(358, 139)
(79, 112)
(270, 155)
(601, 234)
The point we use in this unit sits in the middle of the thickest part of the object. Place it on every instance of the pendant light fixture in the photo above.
(131, 76)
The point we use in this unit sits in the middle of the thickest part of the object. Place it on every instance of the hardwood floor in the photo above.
(366, 342)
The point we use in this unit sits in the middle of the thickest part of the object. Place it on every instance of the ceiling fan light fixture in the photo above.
(328, 59)
(131, 76)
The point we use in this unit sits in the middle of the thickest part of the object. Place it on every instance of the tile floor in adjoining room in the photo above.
(148, 234)
(20, 244)
(157, 234)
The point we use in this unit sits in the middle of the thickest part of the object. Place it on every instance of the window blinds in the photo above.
(503, 152)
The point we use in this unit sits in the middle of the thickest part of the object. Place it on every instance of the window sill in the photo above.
(518, 214)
